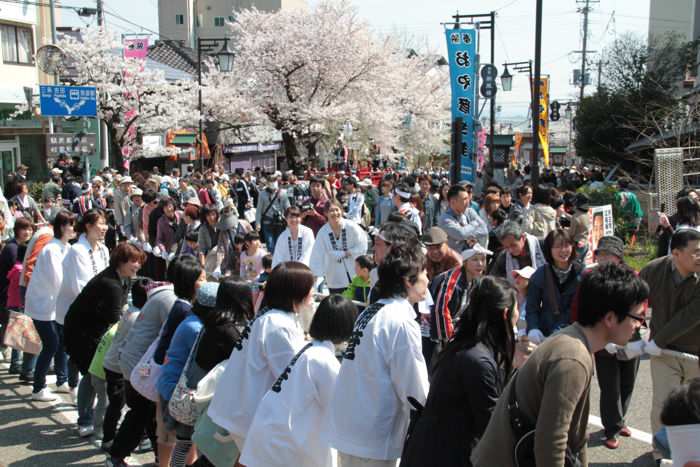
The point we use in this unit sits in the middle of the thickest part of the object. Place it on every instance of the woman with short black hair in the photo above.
(288, 425)
(266, 347)
(552, 287)
(383, 367)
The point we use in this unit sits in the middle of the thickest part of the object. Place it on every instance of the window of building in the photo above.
(231, 19)
(179, 19)
(218, 21)
(17, 44)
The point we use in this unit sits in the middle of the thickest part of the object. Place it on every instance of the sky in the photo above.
(421, 20)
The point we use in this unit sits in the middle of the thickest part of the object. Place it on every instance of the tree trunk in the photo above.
(115, 160)
(290, 149)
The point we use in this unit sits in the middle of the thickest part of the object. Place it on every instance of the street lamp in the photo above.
(568, 112)
(217, 48)
(507, 84)
(506, 79)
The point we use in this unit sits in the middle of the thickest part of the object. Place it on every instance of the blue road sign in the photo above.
(68, 101)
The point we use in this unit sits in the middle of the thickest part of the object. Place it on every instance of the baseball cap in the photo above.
(475, 250)
(525, 272)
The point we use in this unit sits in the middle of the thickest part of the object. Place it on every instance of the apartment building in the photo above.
(185, 20)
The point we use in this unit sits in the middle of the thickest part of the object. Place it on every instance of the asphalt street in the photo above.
(36, 434)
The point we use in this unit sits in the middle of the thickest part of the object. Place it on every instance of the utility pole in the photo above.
(585, 10)
(100, 13)
(535, 155)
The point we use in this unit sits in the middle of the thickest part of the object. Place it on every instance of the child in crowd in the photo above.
(191, 245)
(682, 407)
(267, 269)
(360, 286)
(22, 362)
(105, 363)
(522, 279)
(251, 257)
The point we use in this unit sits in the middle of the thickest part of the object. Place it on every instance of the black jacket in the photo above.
(98, 306)
(463, 392)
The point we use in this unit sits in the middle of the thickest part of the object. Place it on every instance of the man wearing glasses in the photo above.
(675, 319)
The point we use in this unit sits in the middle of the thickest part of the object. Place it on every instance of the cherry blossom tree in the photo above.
(307, 72)
(132, 99)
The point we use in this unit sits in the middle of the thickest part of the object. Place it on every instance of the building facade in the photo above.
(185, 20)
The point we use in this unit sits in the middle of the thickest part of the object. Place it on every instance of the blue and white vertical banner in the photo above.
(461, 50)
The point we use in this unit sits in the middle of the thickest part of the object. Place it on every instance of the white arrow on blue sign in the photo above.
(68, 101)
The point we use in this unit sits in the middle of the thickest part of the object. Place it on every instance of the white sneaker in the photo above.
(85, 431)
(62, 389)
(45, 395)
(74, 395)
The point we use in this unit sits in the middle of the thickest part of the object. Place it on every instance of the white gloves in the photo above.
(147, 247)
(611, 348)
(536, 336)
(631, 350)
(652, 349)
(157, 251)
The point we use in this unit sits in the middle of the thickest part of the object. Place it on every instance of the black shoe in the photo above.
(14, 370)
(26, 378)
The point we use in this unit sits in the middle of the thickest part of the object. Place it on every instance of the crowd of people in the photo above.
(269, 319)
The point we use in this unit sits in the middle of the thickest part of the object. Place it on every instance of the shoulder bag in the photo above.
(182, 405)
(145, 374)
(524, 431)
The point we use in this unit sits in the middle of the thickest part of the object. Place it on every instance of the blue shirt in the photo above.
(178, 352)
(180, 310)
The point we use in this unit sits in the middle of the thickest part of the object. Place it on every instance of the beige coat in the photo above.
(553, 388)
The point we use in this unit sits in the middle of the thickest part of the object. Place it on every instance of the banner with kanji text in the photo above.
(461, 51)
(543, 133)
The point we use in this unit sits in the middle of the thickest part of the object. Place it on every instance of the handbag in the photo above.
(207, 385)
(214, 442)
(524, 430)
(20, 334)
(182, 405)
(145, 374)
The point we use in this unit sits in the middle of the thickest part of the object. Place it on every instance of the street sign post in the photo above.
(78, 144)
(68, 101)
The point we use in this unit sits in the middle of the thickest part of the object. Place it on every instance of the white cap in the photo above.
(56, 170)
(97, 179)
(126, 179)
(525, 272)
(475, 250)
(366, 182)
(136, 191)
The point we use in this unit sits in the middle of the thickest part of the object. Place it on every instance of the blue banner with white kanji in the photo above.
(461, 51)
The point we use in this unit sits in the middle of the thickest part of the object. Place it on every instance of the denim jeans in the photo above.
(51, 334)
(86, 400)
(24, 361)
(268, 235)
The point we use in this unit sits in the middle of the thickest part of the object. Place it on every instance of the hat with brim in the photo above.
(434, 236)
(227, 221)
(612, 245)
(475, 250)
(137, 192)
(193, 201)
(525, 273)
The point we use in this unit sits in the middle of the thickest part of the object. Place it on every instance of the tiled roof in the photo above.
(175, 55)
